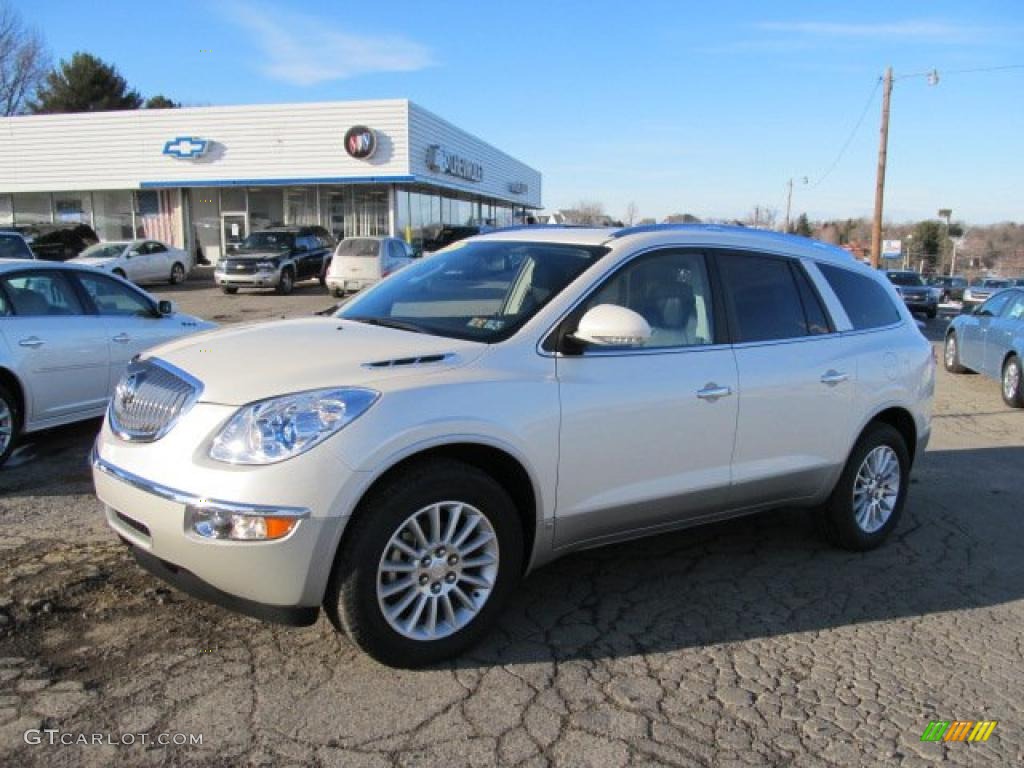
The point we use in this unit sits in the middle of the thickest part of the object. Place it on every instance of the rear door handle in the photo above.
(712, 392)
(31, 341)
(833, 377)
(122, 338)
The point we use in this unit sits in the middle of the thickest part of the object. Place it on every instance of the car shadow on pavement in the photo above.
(956, 548)
(53, 462)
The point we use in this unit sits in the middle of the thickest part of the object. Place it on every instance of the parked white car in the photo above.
(359, 262)
(512, 398)
(141, 261)
(66, 334)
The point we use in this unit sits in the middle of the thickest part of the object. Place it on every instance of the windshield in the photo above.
(482, 291)
(358, 246)
(997, 284)
(103, 251)
(267, 241)
(906, 278)
(13, 247)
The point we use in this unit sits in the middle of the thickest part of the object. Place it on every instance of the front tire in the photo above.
(177, 273)
(951, 355)
(10, 423)
(866, 504)
(230, 290)
(427, 564)
(286, 283)
(1012, 385)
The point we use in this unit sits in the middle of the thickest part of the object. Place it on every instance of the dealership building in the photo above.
(204, 177)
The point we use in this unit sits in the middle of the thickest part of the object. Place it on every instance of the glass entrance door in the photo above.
(234, 229)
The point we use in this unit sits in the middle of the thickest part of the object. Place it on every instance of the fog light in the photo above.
(218, 524)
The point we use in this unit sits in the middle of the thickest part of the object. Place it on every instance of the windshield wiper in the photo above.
(386, 322)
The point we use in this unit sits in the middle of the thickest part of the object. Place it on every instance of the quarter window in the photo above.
(670, 290)
(1016, 310)
(39, 294)
(763, 299)
(113, 298)
(865, 301)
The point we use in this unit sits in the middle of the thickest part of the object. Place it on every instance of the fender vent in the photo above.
(404, 362)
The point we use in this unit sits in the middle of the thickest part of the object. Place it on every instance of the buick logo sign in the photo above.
(360, 142)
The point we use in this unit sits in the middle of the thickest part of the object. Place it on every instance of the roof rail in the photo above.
(517, 227)
(695, 227)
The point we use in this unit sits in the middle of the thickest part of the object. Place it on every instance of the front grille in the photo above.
(149, 399)
(246, 267)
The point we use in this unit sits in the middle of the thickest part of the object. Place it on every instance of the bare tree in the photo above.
(631, 213)
(763, 217)
(23, 61)
(588, 212)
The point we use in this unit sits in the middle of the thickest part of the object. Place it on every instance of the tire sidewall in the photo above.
(352, 594)
(955, 366)
(177, 273)
(12, 406)
(840, 506)
(287, 282)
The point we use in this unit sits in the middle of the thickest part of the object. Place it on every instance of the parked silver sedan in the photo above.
(66, 334)
(990, 340)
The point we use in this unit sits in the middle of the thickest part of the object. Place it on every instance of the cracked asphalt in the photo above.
(744, 643)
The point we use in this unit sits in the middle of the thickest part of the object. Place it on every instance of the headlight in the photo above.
(279, 428)
(221, 524)
(967, 293)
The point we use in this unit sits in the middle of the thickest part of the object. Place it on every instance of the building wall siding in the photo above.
(499, 169)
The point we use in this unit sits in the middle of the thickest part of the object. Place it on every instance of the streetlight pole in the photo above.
(789, 199)
(883, 148)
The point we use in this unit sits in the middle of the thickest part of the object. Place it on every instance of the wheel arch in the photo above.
(508, 470)
(900, 419)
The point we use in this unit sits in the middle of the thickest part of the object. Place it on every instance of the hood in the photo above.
(244, 363)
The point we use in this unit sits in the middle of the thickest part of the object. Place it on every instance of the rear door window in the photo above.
(762, 298)
(41, 294)
(867, 304)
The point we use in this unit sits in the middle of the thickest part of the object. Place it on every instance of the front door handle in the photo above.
(122, 338)
(32, 342)
(833, 377)
(712, 392)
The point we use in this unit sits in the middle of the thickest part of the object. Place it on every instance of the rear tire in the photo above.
(867, 502)
(951, 355)
(447, 499)
(10, 423)
(230, 290)
(1012, 385)
(338, 293)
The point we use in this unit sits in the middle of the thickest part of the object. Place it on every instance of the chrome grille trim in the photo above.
(149, 399)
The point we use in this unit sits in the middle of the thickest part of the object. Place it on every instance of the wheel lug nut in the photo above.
(441, 552)
(424, 579)
(435, 587)
(425, 562)
(450, 577)
(453, 559)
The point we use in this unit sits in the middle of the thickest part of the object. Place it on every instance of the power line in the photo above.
(853, 133)
(981, 69)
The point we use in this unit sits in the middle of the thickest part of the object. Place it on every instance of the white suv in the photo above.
(517, 396)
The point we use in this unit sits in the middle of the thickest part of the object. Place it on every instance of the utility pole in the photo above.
(789, 202)
(883, 146)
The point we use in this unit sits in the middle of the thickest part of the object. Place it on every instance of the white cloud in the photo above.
(924, 30)
(305, 50)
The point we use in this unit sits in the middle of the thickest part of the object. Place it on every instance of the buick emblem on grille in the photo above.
(127, 388)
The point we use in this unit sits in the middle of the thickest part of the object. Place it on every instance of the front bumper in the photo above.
(248, 280)
(281, 580)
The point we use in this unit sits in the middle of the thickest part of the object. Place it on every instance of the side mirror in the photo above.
(609, 325)
(165, 307)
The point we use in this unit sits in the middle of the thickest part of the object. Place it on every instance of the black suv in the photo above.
(56, 242)
(952, 288)
(276, 258)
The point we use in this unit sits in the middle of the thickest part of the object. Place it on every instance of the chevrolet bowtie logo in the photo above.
(186, 147)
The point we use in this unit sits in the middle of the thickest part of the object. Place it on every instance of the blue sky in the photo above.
(700, 107)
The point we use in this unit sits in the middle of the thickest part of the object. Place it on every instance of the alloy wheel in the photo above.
(6, 426)
(1011, 380)
(437, 571)
(950, 351)
(876, 488)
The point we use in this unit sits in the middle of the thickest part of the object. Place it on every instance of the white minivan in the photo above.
(512, 398)
(359, 262)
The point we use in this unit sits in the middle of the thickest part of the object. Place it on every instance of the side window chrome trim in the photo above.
(833, 305)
